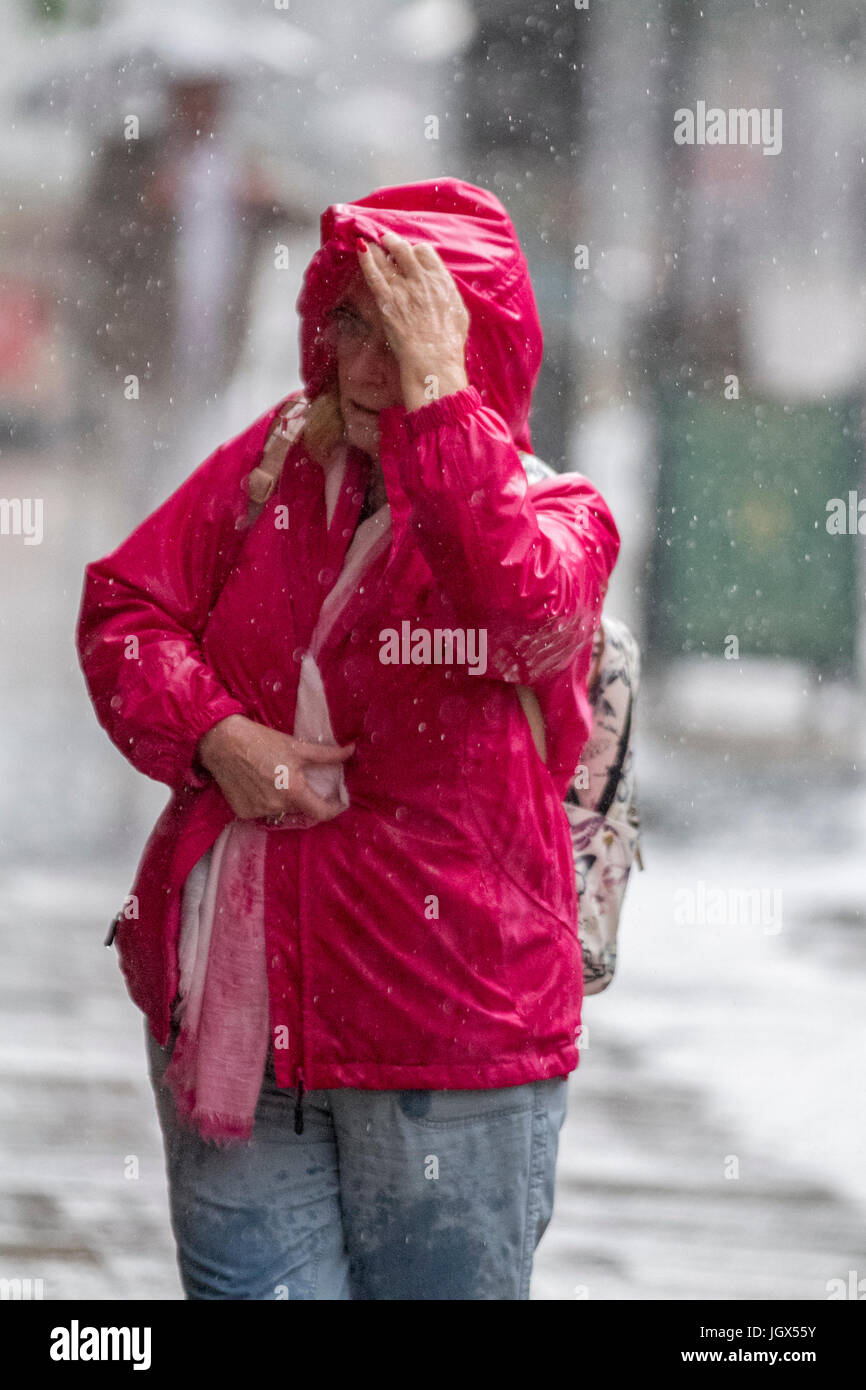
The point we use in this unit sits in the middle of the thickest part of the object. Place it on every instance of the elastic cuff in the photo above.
(446, 410)
(196, 773)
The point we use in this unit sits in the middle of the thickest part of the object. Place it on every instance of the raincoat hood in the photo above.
(477, 241)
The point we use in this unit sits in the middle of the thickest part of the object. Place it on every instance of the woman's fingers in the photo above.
(303, 796)
(306, 800)
(413, 256)
(425, 319)
(402, 251)
(372, 262)
(322, 752)
(300, 795)
(427, 256)
(249, 761)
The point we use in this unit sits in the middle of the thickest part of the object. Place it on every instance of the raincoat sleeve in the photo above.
(529, 564)
(145, 606)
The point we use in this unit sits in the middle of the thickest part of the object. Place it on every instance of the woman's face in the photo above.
(368, 373)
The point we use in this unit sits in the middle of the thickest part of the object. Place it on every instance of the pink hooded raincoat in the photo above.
(426, 937)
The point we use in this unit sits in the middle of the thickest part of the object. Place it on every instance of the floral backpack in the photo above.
(600, 803)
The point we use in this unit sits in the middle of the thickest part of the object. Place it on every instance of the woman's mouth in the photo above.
(364, 409)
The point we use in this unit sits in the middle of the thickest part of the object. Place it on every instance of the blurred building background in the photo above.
(704, 307)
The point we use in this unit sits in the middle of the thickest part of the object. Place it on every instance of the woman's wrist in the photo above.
(420, 387)
(212, 744)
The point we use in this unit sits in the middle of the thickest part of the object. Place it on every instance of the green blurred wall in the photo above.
(742, 545)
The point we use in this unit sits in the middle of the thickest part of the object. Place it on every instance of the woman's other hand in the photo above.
(425, 318)
(260, 771)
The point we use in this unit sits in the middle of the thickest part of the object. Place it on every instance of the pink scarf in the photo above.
(219, 1057)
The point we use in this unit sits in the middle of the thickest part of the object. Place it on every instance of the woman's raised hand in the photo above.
(260, 771)
(425, 318)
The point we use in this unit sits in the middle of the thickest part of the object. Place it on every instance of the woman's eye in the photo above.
(349, 328)
(344, 319)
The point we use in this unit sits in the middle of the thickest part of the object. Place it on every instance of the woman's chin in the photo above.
(364, 437)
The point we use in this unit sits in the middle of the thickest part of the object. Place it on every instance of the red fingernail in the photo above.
(361, 244)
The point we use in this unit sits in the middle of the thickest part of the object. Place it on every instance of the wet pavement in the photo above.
(697, 1161)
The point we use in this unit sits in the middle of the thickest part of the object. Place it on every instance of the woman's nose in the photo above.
(375, 354)
(375, 362)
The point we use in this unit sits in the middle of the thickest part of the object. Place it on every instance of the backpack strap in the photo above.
(598, 644)
(283, 432)
(607, 796)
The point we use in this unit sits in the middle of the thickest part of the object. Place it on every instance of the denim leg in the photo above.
(260, 1220)
(446, 1194)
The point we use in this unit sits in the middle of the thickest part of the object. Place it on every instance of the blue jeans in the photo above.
(385, 1194)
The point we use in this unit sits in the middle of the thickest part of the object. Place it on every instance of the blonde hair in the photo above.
(324, 427)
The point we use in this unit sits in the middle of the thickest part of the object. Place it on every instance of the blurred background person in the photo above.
(169, 231)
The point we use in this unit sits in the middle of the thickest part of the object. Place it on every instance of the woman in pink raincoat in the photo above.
(354, 927)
